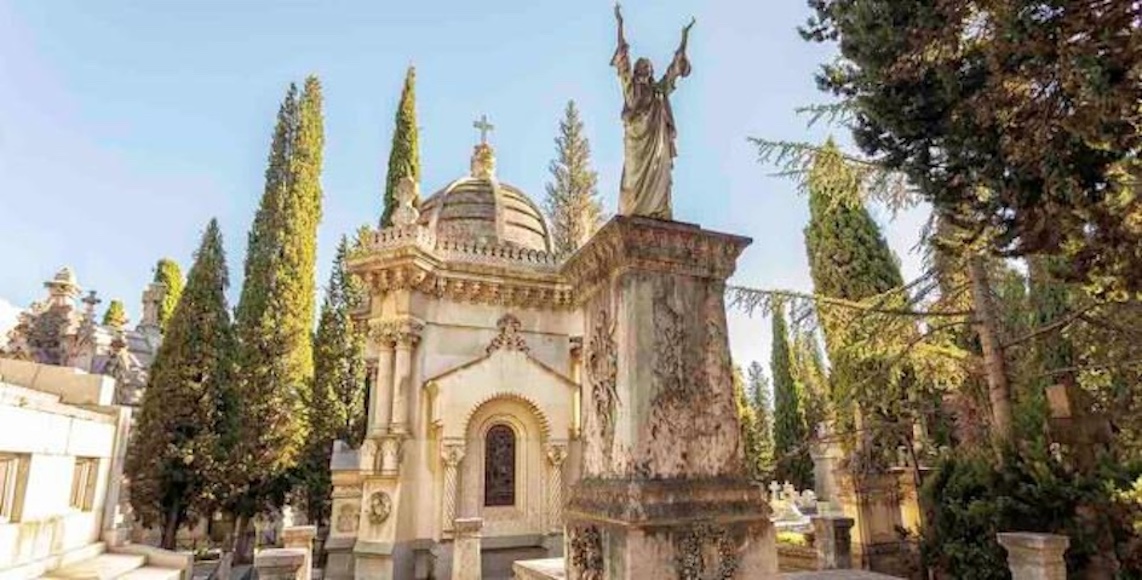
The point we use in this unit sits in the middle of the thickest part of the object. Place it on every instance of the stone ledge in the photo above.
(667, 502)
(545, 569)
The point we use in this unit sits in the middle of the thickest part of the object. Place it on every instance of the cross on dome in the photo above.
(485, 127)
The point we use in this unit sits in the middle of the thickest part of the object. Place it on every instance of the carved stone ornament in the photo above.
(602, 372)
(586, 545)
(407, 191)
(380, 507)
(510, 337)
(348, 518)
(706, 551)
(392, 332)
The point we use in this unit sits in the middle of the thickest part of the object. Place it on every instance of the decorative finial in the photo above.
(485, 127)
(91, 301)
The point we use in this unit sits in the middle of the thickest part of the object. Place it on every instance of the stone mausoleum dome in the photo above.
(485, 210)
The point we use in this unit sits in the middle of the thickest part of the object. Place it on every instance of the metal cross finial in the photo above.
(484, 126)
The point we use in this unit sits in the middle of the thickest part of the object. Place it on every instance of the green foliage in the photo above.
(168, 274)
(808, 371)
(404, 155)
(276, 309)
(171, 459)
(759, 393)
(572, 204)
(1020, 120)
(115, 316)
(751, 434)
(790, 435)
(972, 497)
(337, 403)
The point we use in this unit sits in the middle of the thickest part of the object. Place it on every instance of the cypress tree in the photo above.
(849, 260)
(747, 418)
(337, 404)
(572, 203)
(115, 315)
(169, 274)
(790, 437)
(171, 457)
(809, 376)
(275, 312)
(763, 412)
(404, 155)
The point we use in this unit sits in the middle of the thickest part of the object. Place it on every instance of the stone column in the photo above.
(556, 454)
(452, 452)
(381, 403)
(301, 538)
(664, 492)
(466, 549)
(406, 341)
(832, 537)
(1035, 556)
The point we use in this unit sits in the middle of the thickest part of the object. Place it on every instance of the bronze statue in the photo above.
(648, 129)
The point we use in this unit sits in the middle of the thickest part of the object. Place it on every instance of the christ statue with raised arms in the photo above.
(648, 129)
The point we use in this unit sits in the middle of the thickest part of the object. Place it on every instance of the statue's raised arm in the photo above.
(680, 66)
(621, 59)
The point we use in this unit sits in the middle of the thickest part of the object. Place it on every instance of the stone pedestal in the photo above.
(832, 537)
(466, 549)
(664, 492)
(301, 538)
(1035, 556)
(281, 564)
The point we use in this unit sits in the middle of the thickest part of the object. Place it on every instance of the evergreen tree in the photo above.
(404, 155)
(115, 315)
(572, 203)
(171, 457)
(169, 274)
(760, 395)
(275, 313)
(747, 419)
(790, 437)
(809, 375)
(337, 404)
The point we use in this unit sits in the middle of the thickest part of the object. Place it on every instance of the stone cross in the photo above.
(774, 491)
(484, 126)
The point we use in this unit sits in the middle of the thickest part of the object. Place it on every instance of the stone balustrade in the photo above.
(1035, 556)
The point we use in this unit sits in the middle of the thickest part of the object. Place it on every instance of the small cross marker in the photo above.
(484, 126)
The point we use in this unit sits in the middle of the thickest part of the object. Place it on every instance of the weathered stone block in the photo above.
(1035, 556)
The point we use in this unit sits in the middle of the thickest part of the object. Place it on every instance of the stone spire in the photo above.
(483, 158)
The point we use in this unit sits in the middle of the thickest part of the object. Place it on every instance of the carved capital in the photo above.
(452, 453)
(392, 333)
(556, 453)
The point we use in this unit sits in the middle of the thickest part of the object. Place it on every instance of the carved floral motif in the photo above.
(586, 544)
(510, 337)
(705, 551)
(602, 372)
(348, 518)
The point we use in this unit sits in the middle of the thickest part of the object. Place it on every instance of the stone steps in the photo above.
(152, 573)
(102, 567)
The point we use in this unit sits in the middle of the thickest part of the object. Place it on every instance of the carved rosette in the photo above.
(510, 337)
(556, 455)
(348, 518)
(586, 557)
(380, 507)
(452, 453)
(602, 375)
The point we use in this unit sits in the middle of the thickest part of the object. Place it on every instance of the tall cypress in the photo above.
(809, 375)
(276, 309)
(849, 260)
(572, 203)
(171, 456)
(404, 155)
(169, 274)
(790, 437)
(760, 397)
(337, 404)
(115, 315)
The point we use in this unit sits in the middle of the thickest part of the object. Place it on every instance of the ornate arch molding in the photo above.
(540, 416)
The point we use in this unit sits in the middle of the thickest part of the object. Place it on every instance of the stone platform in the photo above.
(552, 569)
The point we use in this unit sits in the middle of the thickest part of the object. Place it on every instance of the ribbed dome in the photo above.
(483, 209)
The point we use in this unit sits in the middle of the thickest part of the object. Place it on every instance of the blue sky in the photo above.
(125, 126)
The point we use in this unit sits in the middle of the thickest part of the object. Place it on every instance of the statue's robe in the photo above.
(648, 138)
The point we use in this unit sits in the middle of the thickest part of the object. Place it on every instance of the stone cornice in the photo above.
(638, 243)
